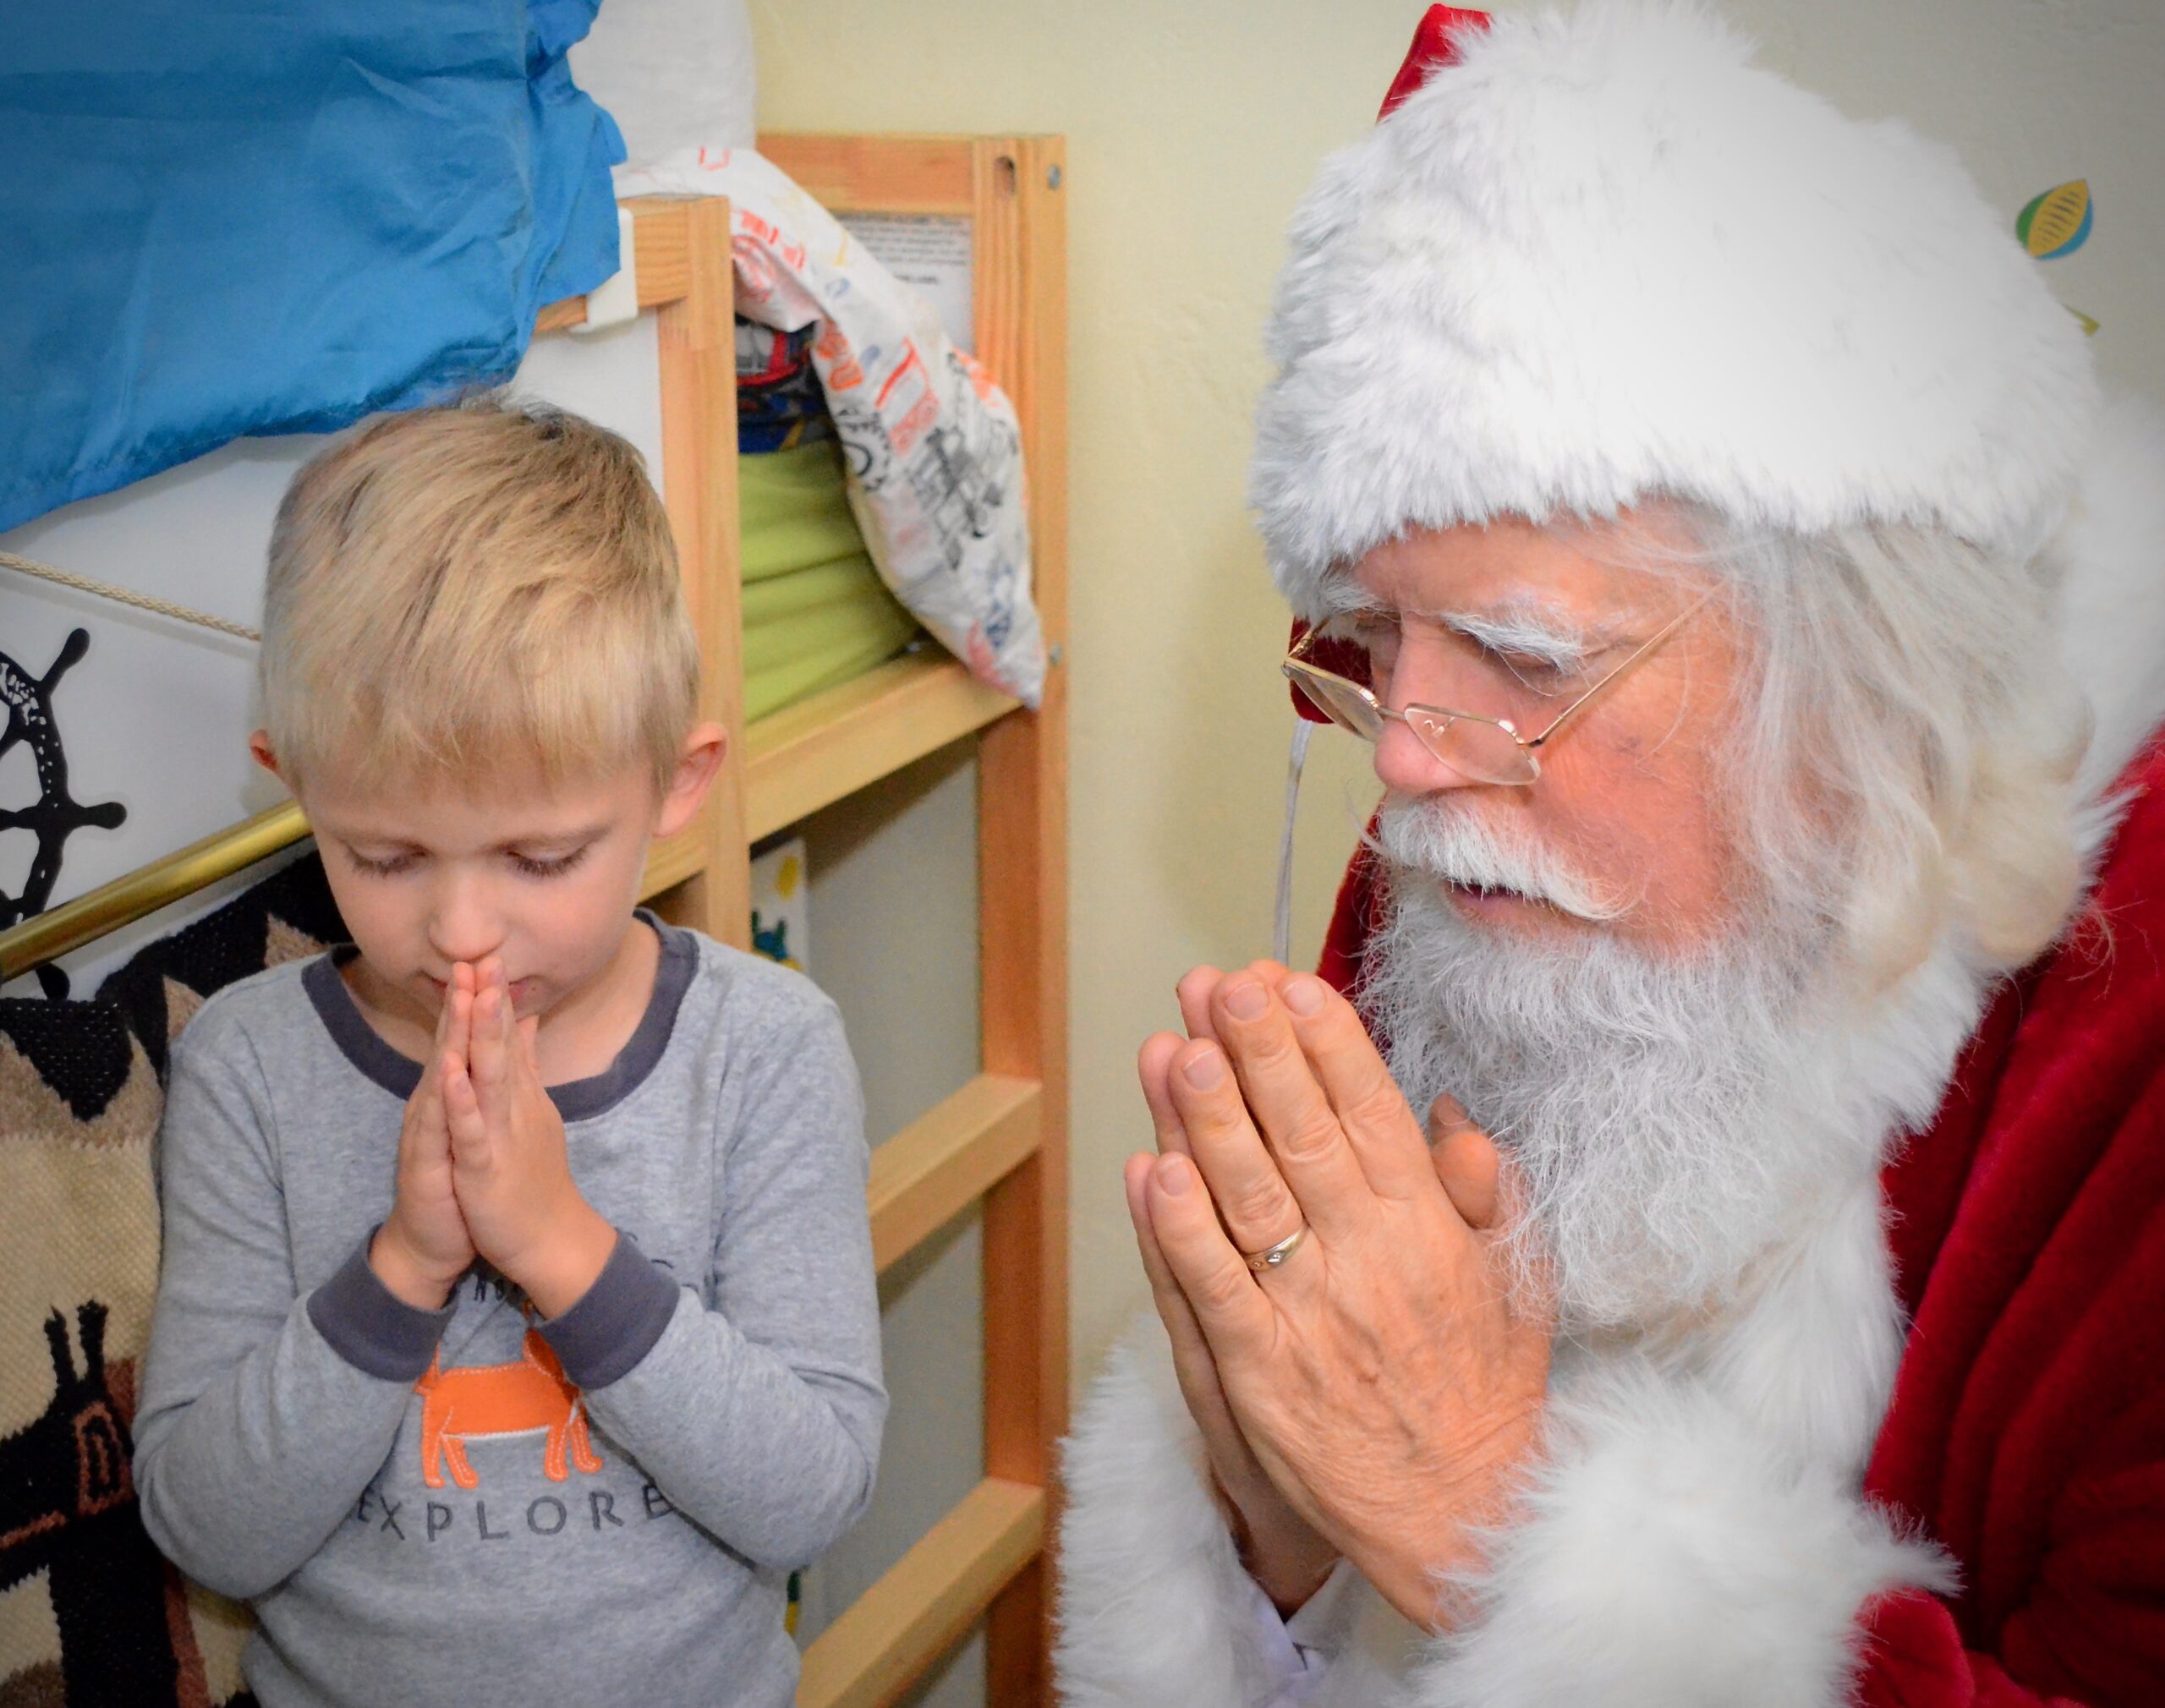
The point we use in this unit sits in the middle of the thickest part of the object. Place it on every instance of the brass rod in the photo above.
(46, 936)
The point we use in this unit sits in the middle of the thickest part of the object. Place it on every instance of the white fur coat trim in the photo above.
(1154, 1605)
(1677, 1558)
(1696, 1538)
(1605, 256)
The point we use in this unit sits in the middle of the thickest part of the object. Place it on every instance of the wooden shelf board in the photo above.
(828, 746)
(949, 1157)
(870, 1655)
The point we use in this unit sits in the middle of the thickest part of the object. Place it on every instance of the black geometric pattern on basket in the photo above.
(67, 1505)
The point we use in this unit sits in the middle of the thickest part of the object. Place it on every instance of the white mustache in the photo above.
(1457, 848)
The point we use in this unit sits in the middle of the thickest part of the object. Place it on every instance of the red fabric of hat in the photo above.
(1435, 43)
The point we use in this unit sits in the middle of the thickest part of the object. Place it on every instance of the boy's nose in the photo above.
(462, 926)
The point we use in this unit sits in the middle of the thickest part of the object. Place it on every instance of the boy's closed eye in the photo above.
(552, 863)
(382, 865)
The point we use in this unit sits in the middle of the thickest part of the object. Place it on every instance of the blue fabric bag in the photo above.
(230, 216)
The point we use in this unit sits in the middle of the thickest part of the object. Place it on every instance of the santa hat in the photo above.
(1594, 256)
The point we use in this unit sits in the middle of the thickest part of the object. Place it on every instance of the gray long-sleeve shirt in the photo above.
(440, 1507)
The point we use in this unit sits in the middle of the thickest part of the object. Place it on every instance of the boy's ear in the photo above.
(697, 766)
(259, 748)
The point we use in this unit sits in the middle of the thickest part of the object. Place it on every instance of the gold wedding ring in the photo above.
(1272, 1256)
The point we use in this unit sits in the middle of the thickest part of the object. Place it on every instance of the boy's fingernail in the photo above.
(1247, 1000)
(1173, 1175)
(1206, 1071)
(1304, 995)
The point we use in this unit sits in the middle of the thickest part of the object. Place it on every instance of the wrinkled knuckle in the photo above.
(1261, 1204)
(1268, 1048)
(1225, 1287)
(1381, 1106)
(1221, 1119)
(1310, 1140)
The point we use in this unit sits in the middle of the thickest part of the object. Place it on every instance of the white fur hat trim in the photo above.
(1604, 256)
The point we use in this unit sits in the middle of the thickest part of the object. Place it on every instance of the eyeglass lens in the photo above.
(1482, 752)
(1342, 703)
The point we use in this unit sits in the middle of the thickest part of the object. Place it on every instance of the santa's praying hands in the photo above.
(1701, 1238)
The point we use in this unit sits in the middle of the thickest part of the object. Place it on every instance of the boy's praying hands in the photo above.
(482, 1165)
(423, 1246)
(524, 1214)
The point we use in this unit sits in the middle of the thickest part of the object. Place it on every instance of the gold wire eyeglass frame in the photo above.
(1324, 688)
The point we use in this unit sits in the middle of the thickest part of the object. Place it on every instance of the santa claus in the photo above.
(1701, 502)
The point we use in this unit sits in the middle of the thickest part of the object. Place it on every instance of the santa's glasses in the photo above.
(1480, 749)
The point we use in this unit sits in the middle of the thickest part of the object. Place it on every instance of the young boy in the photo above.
(517, 1334)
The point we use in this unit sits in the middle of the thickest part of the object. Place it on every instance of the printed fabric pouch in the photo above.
(932, 447)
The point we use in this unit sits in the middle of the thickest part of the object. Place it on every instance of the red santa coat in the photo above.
(2027, 1430)
(2027, 1435)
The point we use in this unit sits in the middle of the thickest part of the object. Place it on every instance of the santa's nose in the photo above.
(1406, 766)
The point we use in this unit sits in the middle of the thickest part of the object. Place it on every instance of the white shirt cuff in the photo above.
(1296, 1652)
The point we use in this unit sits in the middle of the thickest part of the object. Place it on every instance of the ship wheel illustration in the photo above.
(55, 815)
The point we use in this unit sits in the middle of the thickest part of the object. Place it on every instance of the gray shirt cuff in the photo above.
(370, 1326)
(617, 1321)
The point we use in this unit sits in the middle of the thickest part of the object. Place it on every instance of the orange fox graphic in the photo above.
(491, 1399)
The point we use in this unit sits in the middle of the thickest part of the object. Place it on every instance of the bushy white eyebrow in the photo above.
(1527, 626)
(1536, 634)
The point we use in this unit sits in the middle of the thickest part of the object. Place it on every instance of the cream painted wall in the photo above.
(1191, 130)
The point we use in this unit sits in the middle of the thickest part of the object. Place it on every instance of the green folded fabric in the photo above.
(815, 611)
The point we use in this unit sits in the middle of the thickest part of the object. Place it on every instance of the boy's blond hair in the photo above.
(459, 588)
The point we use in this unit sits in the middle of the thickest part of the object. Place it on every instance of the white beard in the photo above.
(1669, 1116)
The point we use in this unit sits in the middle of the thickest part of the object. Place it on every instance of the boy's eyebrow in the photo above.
(389, 838)
(555, 838)
(362, 833)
